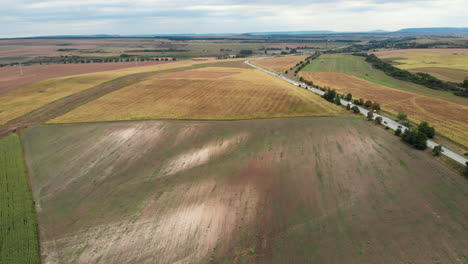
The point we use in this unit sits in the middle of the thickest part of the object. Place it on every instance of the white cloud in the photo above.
(209, 16)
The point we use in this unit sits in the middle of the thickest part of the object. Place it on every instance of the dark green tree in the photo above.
(370, 115)
(398, 132)
(355, 109)
(378, 120)
(426, 129)
(349, 97)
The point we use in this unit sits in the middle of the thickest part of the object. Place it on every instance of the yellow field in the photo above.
(279, 64)
(205, 93)
(446, 66)
(450, 119)
(32, 96)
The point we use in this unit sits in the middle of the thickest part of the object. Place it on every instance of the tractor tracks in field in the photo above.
(71, 102)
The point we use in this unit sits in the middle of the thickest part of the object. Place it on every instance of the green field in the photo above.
(358, 67)
(19, 242)
(297, 190)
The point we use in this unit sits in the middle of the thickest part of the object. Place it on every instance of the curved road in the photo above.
(385, 121)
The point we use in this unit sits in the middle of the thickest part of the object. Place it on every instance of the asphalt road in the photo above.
(385, 121)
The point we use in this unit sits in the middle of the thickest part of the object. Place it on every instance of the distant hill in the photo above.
(438, 30)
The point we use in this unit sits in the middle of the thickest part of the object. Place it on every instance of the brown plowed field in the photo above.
(300, 190)
(10, 77)
(450, 119)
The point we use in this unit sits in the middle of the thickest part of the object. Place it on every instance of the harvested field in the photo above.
(300, 190)
(19, 238)
(450, 75)
(449, 65)
(240, 94)
(450, 120)
(10, 77)
(194, 75)
(406, 51)
(22, 100)
(358, 67)
(279, 64)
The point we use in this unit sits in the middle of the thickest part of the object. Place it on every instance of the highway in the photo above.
(385, 121)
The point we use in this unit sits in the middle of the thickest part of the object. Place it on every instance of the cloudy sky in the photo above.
(57, 17)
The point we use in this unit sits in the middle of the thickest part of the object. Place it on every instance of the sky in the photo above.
(22, 18)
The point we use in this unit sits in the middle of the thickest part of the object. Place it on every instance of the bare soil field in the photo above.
(300, 190)
(205, 93)
(279, 64)
(10, 77)
(450, 119)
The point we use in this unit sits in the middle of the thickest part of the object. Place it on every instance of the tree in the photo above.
(355, 109)
(301, 79)
(348, 107)
(465, 172)
(370, 115)
(329, 95)
(398, 132)
(349, 97)
(375, 106)
(415, 138)
(361, 102)
(426, 129)
(367, 104)
(378, 120)
(286, 72)
(402, 116)
(337, 100)
(437, 150)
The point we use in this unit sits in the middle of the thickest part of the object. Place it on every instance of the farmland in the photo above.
(450, 119)
(358, 67)
(22, 100)
(205, 93)
(279, 64)
(446, 64)
(297, 190)
(19, 242)
(10, 77)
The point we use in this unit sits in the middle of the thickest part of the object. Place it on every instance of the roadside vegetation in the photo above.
(19, 241)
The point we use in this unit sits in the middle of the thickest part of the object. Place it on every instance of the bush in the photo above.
(370, 115)
(398, 132)
(437, 150)
(402, 116)
(330, 95)
(355, 109)
(376, 106)
(367, 104)
(378, 120)
(415, 138)
(348, 107)
(337, 100)
(426, 129)
(349, 97)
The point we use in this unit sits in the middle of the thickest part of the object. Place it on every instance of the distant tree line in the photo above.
(404, 75)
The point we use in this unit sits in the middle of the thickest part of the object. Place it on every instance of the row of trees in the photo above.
(418, 78)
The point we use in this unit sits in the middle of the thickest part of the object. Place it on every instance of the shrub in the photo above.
(398, 132)
(378, 120)
(402, 116)
(367, 104)
(348, 107)
(349, 97)
(376, 106)
(355, 109)
(415, 138)
(426, 129)
(370, 115)
(437, 150)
